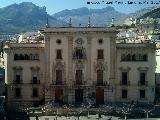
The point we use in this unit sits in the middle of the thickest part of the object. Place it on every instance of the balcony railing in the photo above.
(35, 81)
(17, 81)
(79, 82)
(59, 82)
(125, 83)
(100, 83)
(142, 83)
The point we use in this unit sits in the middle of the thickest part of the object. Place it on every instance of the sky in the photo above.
(54, 6)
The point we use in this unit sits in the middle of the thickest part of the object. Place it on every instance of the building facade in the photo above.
(75, 65)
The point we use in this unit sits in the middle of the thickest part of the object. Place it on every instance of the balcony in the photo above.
(59, 83)
(100, 83)
(80, 83)
(142, 83)
(17, 81)
(124, 83)
(35, 81)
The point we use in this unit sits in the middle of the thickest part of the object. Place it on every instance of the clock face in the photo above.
(79, 41)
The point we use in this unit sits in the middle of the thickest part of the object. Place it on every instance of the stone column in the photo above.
(47, 77)
(47, 59)
(112, 58)
(88, 55)
(112, 66)
(69, 81)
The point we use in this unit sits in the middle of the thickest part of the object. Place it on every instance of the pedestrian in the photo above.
(37, 117)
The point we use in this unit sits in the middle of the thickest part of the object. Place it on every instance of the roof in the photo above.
(24, 45)
(136, 45)
(79, 29)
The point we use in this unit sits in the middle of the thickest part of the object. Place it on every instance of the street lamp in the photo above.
(147, 112)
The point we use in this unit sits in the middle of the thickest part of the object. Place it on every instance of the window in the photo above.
(16, 57)
(145, 57)
(35, 79)
(31, 57)
(142, 78)
(58, 41)
(100, 41)
(59, 54)
(35, 57)
(58, 76)
(35, 92)
(133, 57)
(78, 76)
(123, 57)
(26, 57)
(124, 78)
(17, 92)
(124, 94)
(1, 77)
(79, 54)
(21, 57)
(100, 54)
(128, 57)
(142, 93)
(99, 77)
(18, 77)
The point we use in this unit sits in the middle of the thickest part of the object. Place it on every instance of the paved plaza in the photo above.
(91, 117)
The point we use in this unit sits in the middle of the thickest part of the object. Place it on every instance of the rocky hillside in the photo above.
(99, 17)
(24, 17)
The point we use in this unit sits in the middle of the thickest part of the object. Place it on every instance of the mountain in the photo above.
(141, 12)
(23, 17)
(138, 14)
(27, 16)
(154, 13)
(97, 16)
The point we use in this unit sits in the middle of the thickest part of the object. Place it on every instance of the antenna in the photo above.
(47, 24)
(70, 22)
(89, 23)
(112, 23)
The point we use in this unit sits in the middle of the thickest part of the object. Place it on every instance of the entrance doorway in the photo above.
(59, 95)
(78, 95)
(99, 96)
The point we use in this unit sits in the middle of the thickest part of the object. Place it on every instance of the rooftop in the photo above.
(24, 45)
(79, 29)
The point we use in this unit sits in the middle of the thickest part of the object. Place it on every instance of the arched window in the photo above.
(36, 57)
(31, 57)
(21, 57)
(140, 57)
(128, 57)
(16, 57)
(26, 57)
(145, 57)
(133, 57)
(123, 57)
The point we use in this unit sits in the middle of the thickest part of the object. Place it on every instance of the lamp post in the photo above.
(147, 112)
(108, 85)
(88, 102)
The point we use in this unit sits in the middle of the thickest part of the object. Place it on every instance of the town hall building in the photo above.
(79, 64)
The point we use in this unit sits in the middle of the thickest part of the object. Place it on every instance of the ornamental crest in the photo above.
(100, 65)
(79, 64)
